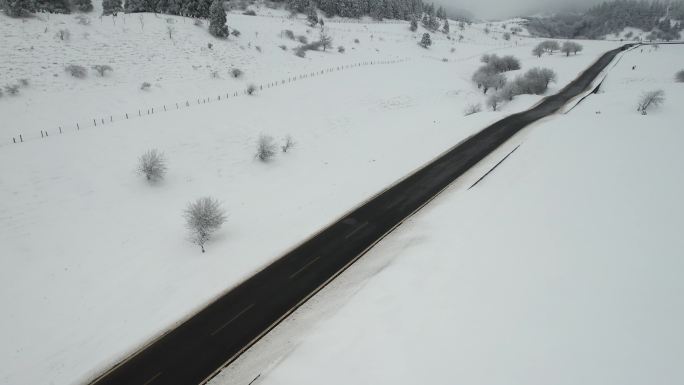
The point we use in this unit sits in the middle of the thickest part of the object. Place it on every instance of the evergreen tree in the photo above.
(446, 26)
(83, 5)
(174, 7)
(425, 42)
(217, 20)
(54, 6)
(441, 13)
(203, 8)
(19, 8)
(312, 15)
(111, 7)
(190, 8)
(133, 6)
(325, 40)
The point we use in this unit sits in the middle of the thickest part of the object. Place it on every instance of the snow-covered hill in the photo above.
(94, 260)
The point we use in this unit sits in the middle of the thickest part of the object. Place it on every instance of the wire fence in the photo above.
(188, 103)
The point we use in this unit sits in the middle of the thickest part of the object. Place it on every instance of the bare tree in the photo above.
(538, 51)
(251, 89)
(102, 69)
(236, 72)
(63, 34)
(266, 148)
(289, 143)
(494, 101)
(571, 47)
(203, 217)
(325, 40)
(170, 30)
(650, 99)
(12, 89)
(152, 164)
(76, 71)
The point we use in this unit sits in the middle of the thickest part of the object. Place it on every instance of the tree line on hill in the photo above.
(663, 19)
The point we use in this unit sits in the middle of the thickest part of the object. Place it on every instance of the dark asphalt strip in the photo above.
(195, 350)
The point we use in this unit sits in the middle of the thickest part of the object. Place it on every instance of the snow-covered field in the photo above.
(94, 261)
(563, 266)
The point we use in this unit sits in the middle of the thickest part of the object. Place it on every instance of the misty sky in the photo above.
(492, 9)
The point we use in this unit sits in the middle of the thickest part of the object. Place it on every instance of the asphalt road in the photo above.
(195, 350)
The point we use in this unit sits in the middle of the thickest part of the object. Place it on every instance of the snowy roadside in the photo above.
(562, 266)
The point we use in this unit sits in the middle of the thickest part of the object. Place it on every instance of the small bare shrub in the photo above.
(102, 69)
(24, 82)
(236, 73)
(289, 34)
(300, 51)
(203, 217)
(258, 48)
(445, 60)
(650, 99)
(145, 86)
(152, 164)
(251, 89)
(283, 47)
(302, 39)
(340, 49)
(357, 41)
(472, 109)
(249, 13)
(235, 33)
(289, 143)
(197, 22)
(214, 74)
(76, 71)
(266, 148)
(63, 35)
(82, 20)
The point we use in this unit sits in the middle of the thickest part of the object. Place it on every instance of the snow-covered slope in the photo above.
(563, 266)
(94, 260)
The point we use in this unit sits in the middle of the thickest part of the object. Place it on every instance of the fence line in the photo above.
(142, 112)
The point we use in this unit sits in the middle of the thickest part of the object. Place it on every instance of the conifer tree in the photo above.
(111, 7)
(446, 26)
(311, 14)
(83, 5)
(19, 8)
(217, 20)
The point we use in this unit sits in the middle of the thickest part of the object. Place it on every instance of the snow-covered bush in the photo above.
(236, 73)
(507, 36)
(266, 148)
(197, 22)
(249, 13)
(24, 82)
(340, 49)
(289, 34)
(283, 47)
(251, 89)
(145, 86)
(152, 164)
(203, 218)
(472, 109)
(300, 51)
(235, 33)
(485, 78)
(214, 74)
(679, 76)
(12, 89)
(414, 25)
(82, 19)
(302, 39)
(289, 143)
(650, 99)
(494, 101)
(535, 81)
(357, 41)
(538, 51)
(102, 69)
(76, 71)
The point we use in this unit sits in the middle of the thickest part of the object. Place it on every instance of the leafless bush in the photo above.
(445, 60)
(82, 20)
(197, 22)
(266, 148)
(289, 143)
(650, 99)
(12, 89)
(302, 39)
(289, 34)
(300, 51)
(679, 77)
(235, 33)
(76, 71)
(453, 49)
(357, 41)
(145, 86)
(236, 73)
(152, 164)
(63, 34)
(249, 13)
(472, 109)
(170, 30)
(214, 74)
(258, 48)
(102, 69)
(494, 101)
(507, 36)
(251, 89)
(204, 217)
(24, 82)
(283, 47)
(571, 47)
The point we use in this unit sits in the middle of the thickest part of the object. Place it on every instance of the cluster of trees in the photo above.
(23, 8)
(551, 46)
(378, 9)
(490, 75)
(612, 17)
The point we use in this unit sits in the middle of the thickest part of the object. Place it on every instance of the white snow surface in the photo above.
(563, 266)
(94, 261)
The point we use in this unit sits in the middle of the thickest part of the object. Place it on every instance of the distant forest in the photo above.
(664, 20)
